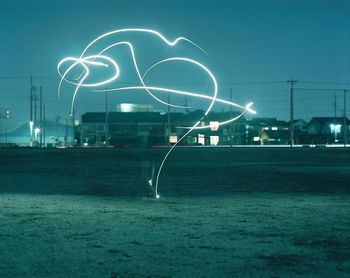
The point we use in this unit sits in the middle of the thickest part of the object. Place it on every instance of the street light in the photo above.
(335, 128)
(36, 132)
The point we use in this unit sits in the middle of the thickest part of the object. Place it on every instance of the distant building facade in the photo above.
(268, 131)
(154, 128)
(52, 134)
(328, 130)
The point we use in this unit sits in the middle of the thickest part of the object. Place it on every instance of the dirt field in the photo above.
(223, 212)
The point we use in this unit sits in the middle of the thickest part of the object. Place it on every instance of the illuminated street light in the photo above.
(36, 132)
(31, 124)
(336, 129)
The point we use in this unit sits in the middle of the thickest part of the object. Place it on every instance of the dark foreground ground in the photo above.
(223, 213)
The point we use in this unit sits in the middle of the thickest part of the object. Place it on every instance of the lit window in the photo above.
(201, 139)
(214, 140)
(214, 126)
(173, 139)
(335, 128)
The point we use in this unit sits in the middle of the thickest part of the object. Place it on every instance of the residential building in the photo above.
(52, 134)
(328, 130)
(267, 131)
(155, 128)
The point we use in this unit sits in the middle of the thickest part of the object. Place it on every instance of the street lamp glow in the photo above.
(36, 132)
(31, 124)
(335, 128)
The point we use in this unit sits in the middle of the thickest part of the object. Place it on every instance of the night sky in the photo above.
(253, 47)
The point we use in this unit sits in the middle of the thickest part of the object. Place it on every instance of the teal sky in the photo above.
(246, 41)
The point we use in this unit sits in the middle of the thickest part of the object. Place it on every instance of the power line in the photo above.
(321, 89)
(43, 77)
(199, 83)
(14, 77)
(325, 82)
(253, 83)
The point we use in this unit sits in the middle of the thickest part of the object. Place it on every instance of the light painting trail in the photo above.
(85, 62)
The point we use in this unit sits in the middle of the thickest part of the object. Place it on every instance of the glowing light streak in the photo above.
(246, 109)
(83, 62)
(31, 125)
(86, 72)
(141, 30)
(100, 60)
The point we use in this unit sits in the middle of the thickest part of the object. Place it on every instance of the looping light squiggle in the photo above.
(100, 60)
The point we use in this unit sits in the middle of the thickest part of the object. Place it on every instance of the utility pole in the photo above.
(168, 133)
(72, 130)
(186, 104)
(35, 98)
(31, 113)
(35, 107)
(66, 132)
(231, 124)
(335, 118)
(44, 125)
(345, 128)
(335, 108)
(41, 117)
(291, 82)
(106, 119)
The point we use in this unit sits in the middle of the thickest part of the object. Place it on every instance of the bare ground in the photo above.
(223, 213)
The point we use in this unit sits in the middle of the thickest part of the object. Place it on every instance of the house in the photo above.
(156, 128)
(53, 134)
(300, 132)
(257, 126)
(124, 129)
(300, 125)
(234, 133)
(328, 130)
(275, 137)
